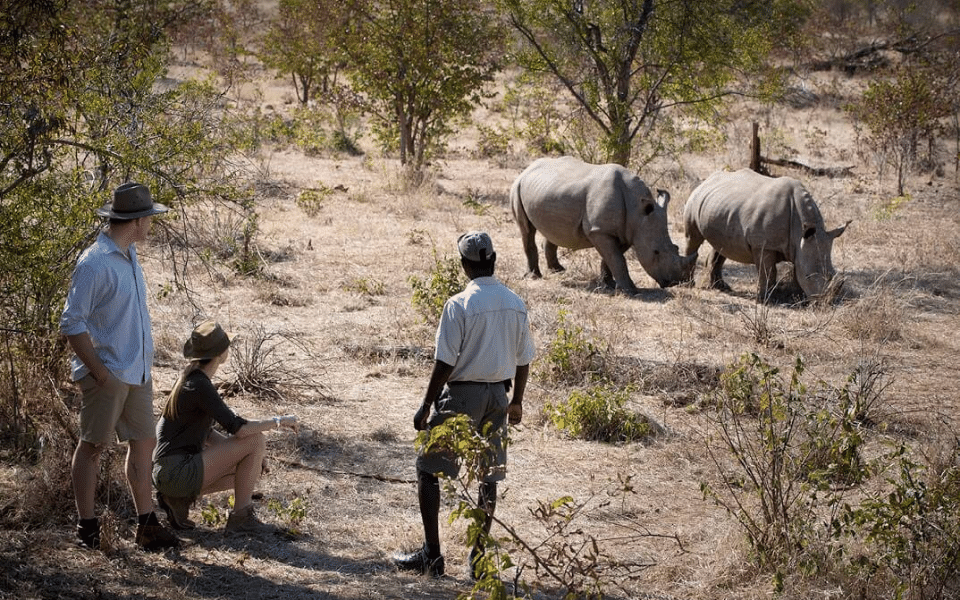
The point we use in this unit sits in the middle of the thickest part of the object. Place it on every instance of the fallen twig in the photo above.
(377, 476)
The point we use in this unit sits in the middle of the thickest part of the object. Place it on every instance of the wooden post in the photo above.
(755, 149)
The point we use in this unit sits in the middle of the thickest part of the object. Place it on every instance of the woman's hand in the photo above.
(287, 422)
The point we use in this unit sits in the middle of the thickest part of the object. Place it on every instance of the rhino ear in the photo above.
(663, 197)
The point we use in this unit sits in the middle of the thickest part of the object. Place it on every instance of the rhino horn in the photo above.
(839, 230)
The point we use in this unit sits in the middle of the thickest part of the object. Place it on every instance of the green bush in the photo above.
(570, 357)
(598, 414)
(492, 142)
(913, 528)
(311, 200)
(429, 295)
(793, 450)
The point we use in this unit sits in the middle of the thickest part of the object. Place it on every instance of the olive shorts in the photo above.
(179, 475)
(483, 403)
(115, 409)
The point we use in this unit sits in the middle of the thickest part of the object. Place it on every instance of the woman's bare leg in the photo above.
(236, 461)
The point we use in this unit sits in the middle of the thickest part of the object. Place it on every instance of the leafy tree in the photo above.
(300, 42)
(421, 64)
(84, 108)
(898, 114)
(627, 62)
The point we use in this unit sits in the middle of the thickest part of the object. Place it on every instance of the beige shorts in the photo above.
(115, 410)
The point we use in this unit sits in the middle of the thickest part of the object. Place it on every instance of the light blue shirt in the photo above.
(108, 300)
(484, 333)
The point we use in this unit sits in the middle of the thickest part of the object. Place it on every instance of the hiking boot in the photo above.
(419, 562)
(154, 536)
(246, 521)
(88, 536)
(178, 511)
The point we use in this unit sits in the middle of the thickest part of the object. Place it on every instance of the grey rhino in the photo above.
(754, 219)
(578, 205)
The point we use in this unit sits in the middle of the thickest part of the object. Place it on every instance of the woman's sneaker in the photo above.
(419, 562)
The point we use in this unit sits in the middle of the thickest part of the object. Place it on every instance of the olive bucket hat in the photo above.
(131, 201)
(208, 340)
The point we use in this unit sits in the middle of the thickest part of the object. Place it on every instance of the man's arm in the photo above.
(438, 378)
(515, 410)
(82, 345)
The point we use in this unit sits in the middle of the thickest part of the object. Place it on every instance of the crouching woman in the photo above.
(191, 458)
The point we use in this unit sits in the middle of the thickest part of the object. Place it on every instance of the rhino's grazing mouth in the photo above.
(829, 291)
(688, 264)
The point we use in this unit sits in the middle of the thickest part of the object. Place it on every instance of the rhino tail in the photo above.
(519, 212)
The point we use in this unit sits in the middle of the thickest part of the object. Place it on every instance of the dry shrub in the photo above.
(877, 316)
(260, 370)
(38, 429)
(278, 295)
(167, 347)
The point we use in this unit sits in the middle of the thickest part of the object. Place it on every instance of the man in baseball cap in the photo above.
(107, 325)
(483, 344)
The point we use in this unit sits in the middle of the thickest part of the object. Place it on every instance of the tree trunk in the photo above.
(403, 122)
(755, 162)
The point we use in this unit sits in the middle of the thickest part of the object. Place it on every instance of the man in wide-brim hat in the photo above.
(107, 324)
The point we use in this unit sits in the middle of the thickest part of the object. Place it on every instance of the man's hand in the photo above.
(420, 419)
(515, 413)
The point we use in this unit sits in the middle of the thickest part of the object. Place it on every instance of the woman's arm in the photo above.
(278, 422)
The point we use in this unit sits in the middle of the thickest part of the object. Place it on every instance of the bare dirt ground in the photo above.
(335, 305)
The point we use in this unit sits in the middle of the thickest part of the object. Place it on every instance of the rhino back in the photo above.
(740, 211)
(559, 195)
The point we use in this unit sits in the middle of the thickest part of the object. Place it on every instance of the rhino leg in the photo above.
(528, 235)
(715, 267)
(612, 254)
(694, 239)
(606, 276)
(550, 253)
(767, 272)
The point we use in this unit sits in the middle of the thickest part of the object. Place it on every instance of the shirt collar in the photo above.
(486, 280)
(111, 246)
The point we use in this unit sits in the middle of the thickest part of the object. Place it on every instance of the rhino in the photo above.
(578, 205)
(754, 219)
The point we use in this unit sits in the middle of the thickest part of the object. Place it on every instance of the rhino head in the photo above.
(812, 263)
(657, 253)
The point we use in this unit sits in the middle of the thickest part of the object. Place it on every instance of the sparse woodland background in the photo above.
(320, 159)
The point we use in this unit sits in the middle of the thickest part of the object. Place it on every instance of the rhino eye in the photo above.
(809, 233)
(647, 210)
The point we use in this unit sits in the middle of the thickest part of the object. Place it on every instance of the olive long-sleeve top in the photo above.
(199, 405)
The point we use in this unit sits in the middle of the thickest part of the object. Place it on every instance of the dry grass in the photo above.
(347, 351)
